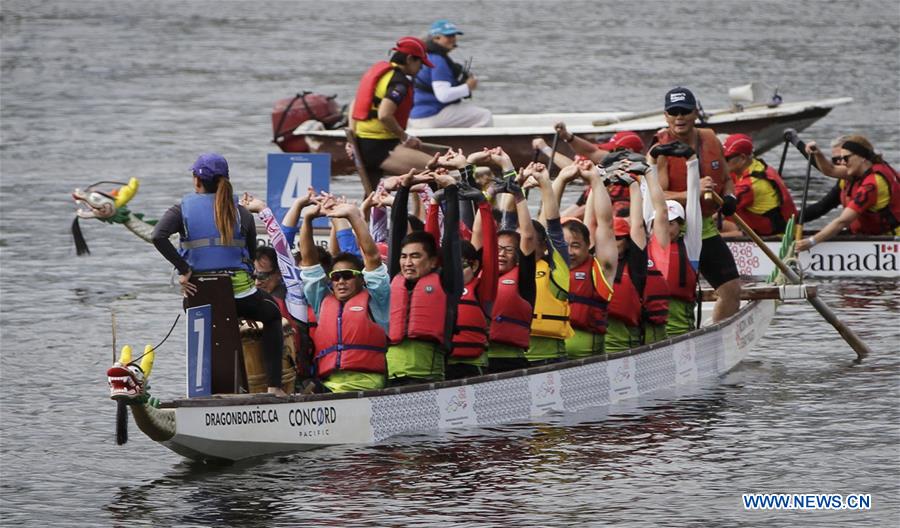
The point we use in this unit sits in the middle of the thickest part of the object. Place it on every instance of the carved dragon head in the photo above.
(127, 379)
(104, 205)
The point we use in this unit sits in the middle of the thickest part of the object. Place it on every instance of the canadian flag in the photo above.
(889, 248)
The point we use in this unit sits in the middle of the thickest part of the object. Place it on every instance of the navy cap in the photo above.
(210, 165)
(443, 27)
(679, 97)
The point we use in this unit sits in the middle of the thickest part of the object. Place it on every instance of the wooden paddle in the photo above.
(849, 335)
(358, 162)
(550, 163)
(435, 146)
(787, 142)
(798, 230)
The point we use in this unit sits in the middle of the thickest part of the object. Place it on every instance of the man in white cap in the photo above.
(442, 88)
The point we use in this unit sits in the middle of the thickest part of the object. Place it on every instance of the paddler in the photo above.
(352, 301)
(763, 200)
(381, 110)
(218, 234)
(425, 289)
(443, 86)
(870, 195)
(593, 267)
(716, 261)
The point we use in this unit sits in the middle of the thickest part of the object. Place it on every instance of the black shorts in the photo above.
(716, 262)
(374, 152)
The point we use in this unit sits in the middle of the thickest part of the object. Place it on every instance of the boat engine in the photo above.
(317, 110)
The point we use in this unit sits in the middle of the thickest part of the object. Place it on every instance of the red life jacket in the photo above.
(470, 339)
(588, 306)
(311, 322)
(511, 314)
(656, 296)
(626, 302)
(682, 278)
(352, 340)
(419, 313)
(709, 155)
(774, 221)
(365, 105)
(881, 222)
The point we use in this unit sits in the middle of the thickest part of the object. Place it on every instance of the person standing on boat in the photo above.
(219, 234)
(380, 112)
(441, 88)
(352, 301)
(592, 266)
(424, 294)
(763, 200)
(870, 195)
(716, 261)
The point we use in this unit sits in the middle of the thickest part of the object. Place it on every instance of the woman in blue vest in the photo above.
(217, 234)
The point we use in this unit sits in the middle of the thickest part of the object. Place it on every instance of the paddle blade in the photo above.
(81, 247)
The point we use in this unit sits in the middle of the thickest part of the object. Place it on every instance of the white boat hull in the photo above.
(877, 257)
(233, 428)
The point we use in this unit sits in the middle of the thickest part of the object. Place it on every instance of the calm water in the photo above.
(108, 90)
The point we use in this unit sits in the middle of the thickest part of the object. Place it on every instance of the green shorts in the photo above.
(620, 337)
(654, 333)
(681, 317)
(542, 348)
(584, 344)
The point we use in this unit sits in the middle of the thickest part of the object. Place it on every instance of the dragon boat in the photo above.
(841, 257)
(230, 427)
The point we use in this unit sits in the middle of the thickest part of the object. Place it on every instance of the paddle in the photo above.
(798, 232)
(358, 162)
(784, 152)
(849, 336)
(791, 135)
(435, 146)
(550, 163)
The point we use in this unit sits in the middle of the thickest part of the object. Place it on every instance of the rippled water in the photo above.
(106, 90)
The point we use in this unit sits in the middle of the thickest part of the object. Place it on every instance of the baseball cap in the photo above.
(210, 165)
(676, 210)
(680, 97)
(443, 27)
(415, 47)
(625, 139)
(738, 144)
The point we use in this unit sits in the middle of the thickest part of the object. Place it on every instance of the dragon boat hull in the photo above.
(231, 428)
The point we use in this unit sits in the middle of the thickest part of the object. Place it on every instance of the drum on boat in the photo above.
(254, 359)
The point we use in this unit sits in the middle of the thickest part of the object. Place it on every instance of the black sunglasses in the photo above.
(264, 275)
(347, 274)
(841, 159)
(679, 111)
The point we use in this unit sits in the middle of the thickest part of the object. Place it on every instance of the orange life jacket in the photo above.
(311, 322)
(626, 301)
(365, 106)
(588, 299)
(511, 314)
(709, 155)
(351, 340)
(682, 278)
(470, 339)
(883, 221)
(420, 312)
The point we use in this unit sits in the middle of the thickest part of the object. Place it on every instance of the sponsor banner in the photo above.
(330, 422)
(545, 393)
(834, 258)
(622, 378)
(684, 357)
(457, 407)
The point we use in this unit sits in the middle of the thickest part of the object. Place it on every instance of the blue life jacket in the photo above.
(202, 245)
(425, 103)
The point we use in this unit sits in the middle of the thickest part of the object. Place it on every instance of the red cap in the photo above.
(415, 47)
(624, 139)
(738, 144)
(620, 226)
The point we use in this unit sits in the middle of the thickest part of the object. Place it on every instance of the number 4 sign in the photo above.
(288, 177)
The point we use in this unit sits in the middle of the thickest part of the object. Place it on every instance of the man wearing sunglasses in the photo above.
(352, 304)
(716, 261)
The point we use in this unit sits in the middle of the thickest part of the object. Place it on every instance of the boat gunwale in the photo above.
(229, 400)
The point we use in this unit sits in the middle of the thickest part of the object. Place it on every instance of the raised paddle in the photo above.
(358, 162)
(787, 142)
(791, 135)
(798, 231)
(550, 163)
(849, 336)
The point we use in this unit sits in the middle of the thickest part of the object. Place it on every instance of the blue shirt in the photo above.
(315, 287)
(425, 104)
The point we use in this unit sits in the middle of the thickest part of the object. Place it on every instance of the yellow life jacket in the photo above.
(551, 305)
